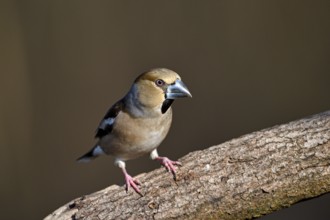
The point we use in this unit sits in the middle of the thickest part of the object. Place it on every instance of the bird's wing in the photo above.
(106, 125)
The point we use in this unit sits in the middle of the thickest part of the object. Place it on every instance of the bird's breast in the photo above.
(133, 137)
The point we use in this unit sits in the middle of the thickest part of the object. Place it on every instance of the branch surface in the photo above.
(243, 178)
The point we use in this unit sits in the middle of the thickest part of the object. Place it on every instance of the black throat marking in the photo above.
(166, 104)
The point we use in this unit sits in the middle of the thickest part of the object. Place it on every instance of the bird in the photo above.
(138, 123)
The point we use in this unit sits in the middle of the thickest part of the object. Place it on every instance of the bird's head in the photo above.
(159, 87)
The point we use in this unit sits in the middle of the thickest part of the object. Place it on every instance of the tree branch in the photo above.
(243, 178)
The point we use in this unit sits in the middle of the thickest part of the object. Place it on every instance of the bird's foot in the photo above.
(169, 165)
(131, 182)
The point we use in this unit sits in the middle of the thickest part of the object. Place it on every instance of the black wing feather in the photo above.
(111, 114)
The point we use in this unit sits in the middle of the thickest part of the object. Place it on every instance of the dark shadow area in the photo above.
(316, 208)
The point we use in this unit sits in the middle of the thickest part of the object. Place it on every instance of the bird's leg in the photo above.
(167, 163)
(130, 181)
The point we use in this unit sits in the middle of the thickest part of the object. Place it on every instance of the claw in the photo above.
(131, 182)
(169, 165)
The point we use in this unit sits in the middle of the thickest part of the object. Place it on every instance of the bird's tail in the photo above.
(90, 155)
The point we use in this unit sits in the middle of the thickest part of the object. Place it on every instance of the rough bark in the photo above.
(243, 178)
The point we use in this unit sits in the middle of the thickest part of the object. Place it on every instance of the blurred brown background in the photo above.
(248, 64)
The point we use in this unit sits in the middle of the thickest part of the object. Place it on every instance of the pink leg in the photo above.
(131, 182)
(169, 165)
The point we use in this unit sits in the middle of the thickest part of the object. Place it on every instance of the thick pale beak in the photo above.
(177, 90)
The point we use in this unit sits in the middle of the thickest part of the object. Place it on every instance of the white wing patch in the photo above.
(97, 151)
(106, 122)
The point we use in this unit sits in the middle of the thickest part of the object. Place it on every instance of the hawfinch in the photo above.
(139, 122)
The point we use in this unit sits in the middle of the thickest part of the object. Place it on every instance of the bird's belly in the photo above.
(144, 145)
(131, 144)
(150, 142)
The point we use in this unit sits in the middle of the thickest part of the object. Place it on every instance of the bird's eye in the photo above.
(159, 82)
